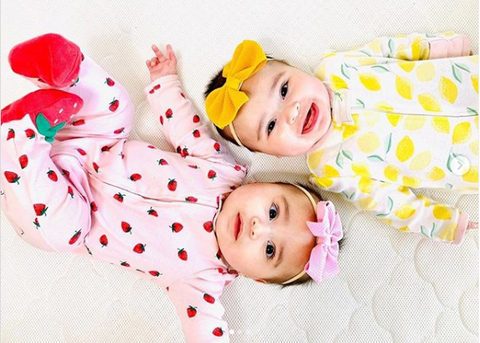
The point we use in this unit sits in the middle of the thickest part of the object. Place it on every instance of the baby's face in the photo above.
(287, 114)
(262, 231)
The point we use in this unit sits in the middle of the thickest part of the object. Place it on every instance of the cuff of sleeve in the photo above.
(461, 228)
(438, 49)
(455, 47)
(156, 84)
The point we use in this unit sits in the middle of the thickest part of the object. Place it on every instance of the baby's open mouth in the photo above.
(237, 227)
(310, 119)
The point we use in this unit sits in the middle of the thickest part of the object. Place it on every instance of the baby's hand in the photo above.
(161, 65)
(472, 225)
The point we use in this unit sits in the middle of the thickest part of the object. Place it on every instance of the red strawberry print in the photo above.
(126, 227)
(212, 174)
(176, 227)
(139, 248)
(237, 167)
(52, 175)
(161, 120)
(121, 155)
(196, 133)
(151, 91)
(218, 332)
(154, 273)
(23, 161)
(191, 311)
(172, 185)
(30, 133)
(169, 113)
(37, 224)
(208, 298)
(193, 166)
(156, 87)
(119, 197)
(151, 147)
(114, 105)
(65, 172)
(93, 206)
(12, 177)
(119, 131)
(196, 118)
(233, 187)
(183, 95)
(70, 191)
(109, 82)
(162, 162)
(135, 177)
(216, 146)
(219, 254)
(191, 199)
(182, 254)
(104, 241)
(78, 122)
(75, 237)
(11, 134)
(125, 264)
(152, 212)
(208, 226)
(95, 166)
(81, 152)
(184, 152)
(106, 148)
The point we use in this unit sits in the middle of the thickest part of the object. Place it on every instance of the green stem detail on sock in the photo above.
(45, 129)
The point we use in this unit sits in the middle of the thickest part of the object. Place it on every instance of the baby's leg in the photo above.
(48, 207)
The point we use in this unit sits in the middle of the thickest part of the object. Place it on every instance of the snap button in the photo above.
(459, 165)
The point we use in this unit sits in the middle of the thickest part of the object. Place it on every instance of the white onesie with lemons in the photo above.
(405, 115)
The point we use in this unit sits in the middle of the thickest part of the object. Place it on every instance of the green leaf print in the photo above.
(360, 103)
(462, 66)
(348, 154)
(390, 204)
(365, 52)
(433, 229)
(388, 143)
(375, 158)
(424, 231)
(472, 111)
(380, 69)
(345, 71)
(457, 76)
(390, 47)
(351, 196)
(448, 186)
(339, 160)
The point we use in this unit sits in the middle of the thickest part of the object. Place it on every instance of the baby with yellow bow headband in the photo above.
(396, 114)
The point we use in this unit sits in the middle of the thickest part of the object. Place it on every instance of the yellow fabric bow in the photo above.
(223, 103)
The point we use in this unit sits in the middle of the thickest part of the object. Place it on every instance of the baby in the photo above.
(72, 182)
(376, 122)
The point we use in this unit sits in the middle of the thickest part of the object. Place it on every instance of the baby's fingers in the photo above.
(158, 53)
(171, 54)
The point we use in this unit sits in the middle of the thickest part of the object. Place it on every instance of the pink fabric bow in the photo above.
(323, 262)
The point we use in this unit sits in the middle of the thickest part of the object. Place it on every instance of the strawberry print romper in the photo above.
(412, 102)
(92, 192)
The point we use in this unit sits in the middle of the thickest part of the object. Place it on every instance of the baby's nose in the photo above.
(256, 228)
(292, 113)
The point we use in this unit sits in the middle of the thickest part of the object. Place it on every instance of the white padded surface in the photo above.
(392, 287)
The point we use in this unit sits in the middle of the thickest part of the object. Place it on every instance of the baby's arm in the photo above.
(199, 309)
(179, 120)
(399, 207)
(417, 46)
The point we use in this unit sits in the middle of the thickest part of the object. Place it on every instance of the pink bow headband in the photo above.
(323, 262)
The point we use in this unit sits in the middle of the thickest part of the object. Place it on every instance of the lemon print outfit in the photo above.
(405, 115)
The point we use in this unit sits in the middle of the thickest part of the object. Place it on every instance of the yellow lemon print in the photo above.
(367, 203)
(448, 233)
(365, 61)
(329, 171)
(413, 123)
(351, 129)
(329, 54)
(442, 212)
(370, 81)
(360, 169)
(320, 71)
(474, 147)
(421, 161)
(391, 173)
(375, 46)
(475, 82)
(371, 118)
(436, 174)
(473, 58)
(394, 118)
(401, 53)
(384, 106)
(407, 65)
(314, 159)
(368, 142)
(365, 185)
(404, 229)
(405, 149)
(404, 87)
(323, 182)
(426, 201)
(461, 133)
(416, 48)
(448, 89)
(404, 190)
(428, 102)
(412, 182)
(336, 82)
(441, 124)
(405, 211)
(471, 175)
(425, 71)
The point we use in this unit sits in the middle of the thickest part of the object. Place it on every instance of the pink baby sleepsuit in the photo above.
(94, 193)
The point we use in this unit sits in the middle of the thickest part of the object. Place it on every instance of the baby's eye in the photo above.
(271, 126)
(273, 212)
(270, 250)
(284, 90)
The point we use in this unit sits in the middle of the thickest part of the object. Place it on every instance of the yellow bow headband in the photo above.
(223, 103)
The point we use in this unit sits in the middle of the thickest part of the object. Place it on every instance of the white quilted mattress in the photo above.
(392, 287)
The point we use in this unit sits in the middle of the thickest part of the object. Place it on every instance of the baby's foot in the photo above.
(49, 109)
(49, 58)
